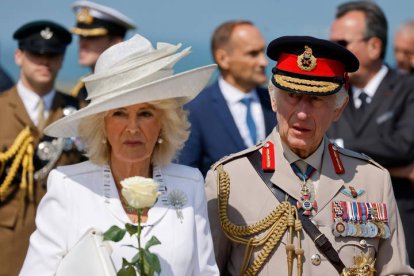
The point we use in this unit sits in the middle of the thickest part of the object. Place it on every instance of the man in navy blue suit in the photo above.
(234, 113)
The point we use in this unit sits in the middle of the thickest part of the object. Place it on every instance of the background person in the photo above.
(6, 82)
(234, 113)
(98, 27)
(32, 104)
(130, 128)
(378, 121)
(404, 47)
(297, 163)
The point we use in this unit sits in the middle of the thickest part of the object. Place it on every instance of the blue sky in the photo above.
(190, 22)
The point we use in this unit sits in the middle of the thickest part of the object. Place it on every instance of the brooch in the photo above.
(177, 199)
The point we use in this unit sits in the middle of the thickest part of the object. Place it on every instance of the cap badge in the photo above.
(46, 33)
(306, 61)
(84, 16)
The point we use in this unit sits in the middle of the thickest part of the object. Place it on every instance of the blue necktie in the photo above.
(363, 97)
(249, 118)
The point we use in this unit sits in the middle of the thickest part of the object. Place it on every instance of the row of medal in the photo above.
(360, 219)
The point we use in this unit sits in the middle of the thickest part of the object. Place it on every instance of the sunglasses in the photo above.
(345, 43)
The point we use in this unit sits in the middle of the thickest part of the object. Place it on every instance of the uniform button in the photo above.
(316, 259)
(363, 243)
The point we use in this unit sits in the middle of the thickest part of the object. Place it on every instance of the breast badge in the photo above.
(352, 192)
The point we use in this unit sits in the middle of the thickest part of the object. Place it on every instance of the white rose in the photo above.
(139, 192)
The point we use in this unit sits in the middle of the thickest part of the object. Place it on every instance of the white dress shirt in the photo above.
(31, 101)
(370, 88)
(238, 110)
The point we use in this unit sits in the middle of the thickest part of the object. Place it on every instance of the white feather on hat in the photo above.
(133, 72)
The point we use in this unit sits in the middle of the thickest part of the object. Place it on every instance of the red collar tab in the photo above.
(336, 159)
(268, 157)
(322, 68)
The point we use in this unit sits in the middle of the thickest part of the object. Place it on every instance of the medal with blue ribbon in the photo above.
(306, 203)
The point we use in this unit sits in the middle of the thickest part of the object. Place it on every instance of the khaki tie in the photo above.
(41, 114)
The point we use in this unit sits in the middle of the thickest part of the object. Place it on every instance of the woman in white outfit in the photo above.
(133, 126)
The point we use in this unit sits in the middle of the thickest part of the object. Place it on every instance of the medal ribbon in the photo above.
(303, 176)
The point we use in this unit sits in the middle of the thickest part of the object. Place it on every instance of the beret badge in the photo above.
(46, 33)
(84, 16)
(306, 61)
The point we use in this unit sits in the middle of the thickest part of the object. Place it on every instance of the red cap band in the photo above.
(324, 67)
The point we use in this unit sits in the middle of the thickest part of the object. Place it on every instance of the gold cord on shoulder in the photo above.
(21, 152)
(266, 232)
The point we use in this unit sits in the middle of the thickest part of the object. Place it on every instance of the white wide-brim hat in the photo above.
(133, 72)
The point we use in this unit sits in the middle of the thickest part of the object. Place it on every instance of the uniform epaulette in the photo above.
(358, 155)
(236, 155)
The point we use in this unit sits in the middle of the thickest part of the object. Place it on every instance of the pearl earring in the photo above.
(160, 140)
(103, 141)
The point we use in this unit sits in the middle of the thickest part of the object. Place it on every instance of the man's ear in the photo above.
(222, 58)
(374, 48)
(18, 57)
(338, 111)
(272, 96)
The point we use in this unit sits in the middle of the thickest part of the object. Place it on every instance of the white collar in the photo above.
(373, 84)
(232, 94)
(30, 98)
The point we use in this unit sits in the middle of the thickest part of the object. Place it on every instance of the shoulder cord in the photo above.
(22, 152)
(284, 217)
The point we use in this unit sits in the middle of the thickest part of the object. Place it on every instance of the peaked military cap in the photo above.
(94, 19)
(43, 37)
(309, 65)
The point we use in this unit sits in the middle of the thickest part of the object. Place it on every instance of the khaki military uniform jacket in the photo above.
(16, 224)
(251, 200)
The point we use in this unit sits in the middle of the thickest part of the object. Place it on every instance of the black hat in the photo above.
(43, 37)
(309, 65)
(94, 19)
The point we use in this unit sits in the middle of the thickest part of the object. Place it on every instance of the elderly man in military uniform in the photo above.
(99, 27)
(26, 154)
(296, 204)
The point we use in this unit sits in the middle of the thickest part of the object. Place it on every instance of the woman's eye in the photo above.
(119, 113)
(146, 113)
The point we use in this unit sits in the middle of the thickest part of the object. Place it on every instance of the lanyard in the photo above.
(157, 176)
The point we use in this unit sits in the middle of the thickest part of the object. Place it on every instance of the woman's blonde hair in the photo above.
(174, 132)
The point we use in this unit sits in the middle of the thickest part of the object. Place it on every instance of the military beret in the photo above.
(94, 19)
(43, 37)
(309, 65)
